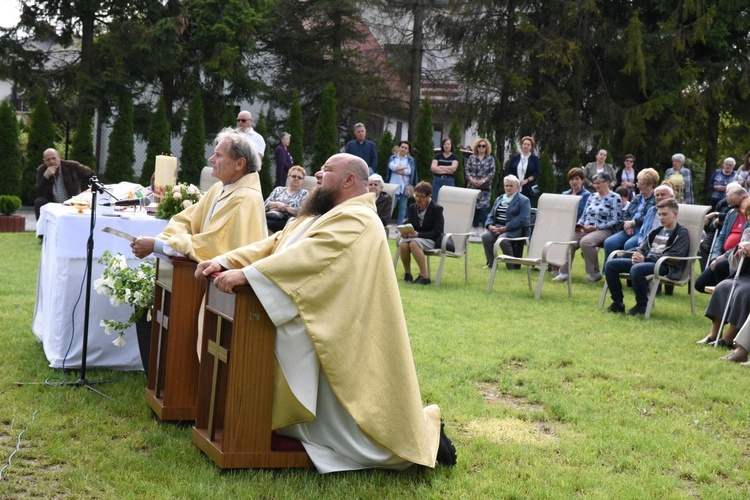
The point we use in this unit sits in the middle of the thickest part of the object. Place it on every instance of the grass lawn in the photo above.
(543, 399)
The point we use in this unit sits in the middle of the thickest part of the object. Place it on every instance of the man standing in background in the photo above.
(363, 148)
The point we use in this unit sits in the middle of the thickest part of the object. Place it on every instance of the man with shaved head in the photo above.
(58, 180)
(346, 386)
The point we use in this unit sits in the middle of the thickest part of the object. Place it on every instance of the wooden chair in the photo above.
(458, 211)
(551, 242)
(692, 217)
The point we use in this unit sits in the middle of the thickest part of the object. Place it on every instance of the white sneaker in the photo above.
(560, 277)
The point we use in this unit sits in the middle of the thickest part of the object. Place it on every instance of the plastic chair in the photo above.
(692, 217)
(207, 180)
(551, 241)
(458, 212)
(309, 183)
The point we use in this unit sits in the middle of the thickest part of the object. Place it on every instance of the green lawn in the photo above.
(543, 399)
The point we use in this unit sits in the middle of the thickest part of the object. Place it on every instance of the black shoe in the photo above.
(446, 454)
(637, 311)
(707, 340)
(408, 278)
(422, 280)
(721, 343)
(616, 307)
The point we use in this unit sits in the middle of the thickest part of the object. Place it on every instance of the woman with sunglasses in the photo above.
(284, 201)
(479, 172)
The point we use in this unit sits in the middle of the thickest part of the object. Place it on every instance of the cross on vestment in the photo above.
(221, 355)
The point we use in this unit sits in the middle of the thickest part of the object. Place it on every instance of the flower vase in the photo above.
(143, 332)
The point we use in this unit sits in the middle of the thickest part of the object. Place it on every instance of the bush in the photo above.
(9, 204)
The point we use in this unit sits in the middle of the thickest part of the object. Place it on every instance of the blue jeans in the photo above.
(638, 273)
(619, 241)
(402, 201)
(438, 182)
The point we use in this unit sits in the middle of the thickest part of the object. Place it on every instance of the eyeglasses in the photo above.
(296, 177)
(628, 161)
(482, 146)
(243, 120)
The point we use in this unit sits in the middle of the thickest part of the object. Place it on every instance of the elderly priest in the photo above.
(346, 385)
(231, 213)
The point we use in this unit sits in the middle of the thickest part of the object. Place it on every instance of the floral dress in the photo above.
(293, 200)
(480, 169)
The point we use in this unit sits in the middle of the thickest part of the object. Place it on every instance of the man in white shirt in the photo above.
(245, 124)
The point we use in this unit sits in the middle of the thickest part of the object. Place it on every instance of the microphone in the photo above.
(135, 202)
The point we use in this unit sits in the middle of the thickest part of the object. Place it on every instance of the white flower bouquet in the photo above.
(176, 199)
(125, 286)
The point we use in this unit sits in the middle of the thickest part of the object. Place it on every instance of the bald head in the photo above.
(51, 158)
(244, 121)
(346, 175)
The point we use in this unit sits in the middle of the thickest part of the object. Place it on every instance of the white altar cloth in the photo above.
(58, 321)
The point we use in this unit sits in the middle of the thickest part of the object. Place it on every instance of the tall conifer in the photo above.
(120, 153)
(41, 136)
(326, 129)
(10, 152)
(193, 157)
(158, 141)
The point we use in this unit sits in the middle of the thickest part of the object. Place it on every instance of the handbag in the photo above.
(409, 191)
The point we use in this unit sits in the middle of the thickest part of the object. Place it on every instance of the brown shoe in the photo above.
(735, 357)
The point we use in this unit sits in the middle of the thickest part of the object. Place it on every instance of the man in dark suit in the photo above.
(509, 216)
(58, 180)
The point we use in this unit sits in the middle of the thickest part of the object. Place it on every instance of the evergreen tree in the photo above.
(547, 179)
(120, 154)
(10, 151)
(326, 129)
(82, 147)
(295, 129)
(158, 141)
(423, 143)
(41, 137)
(385, 146)
(266, 179)
(193, 157)
(455, 135)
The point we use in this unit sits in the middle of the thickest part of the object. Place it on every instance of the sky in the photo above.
(10, 10)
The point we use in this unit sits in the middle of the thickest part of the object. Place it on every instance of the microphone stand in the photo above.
(96, 187)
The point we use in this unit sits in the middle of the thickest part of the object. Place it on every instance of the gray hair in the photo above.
(239, 146)
(284, 135)
(735, 187)
(679, 157)
(731, 161)
(602, 177)
(376, 178)
(664, 186)
(358, 125)
(513, 179)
